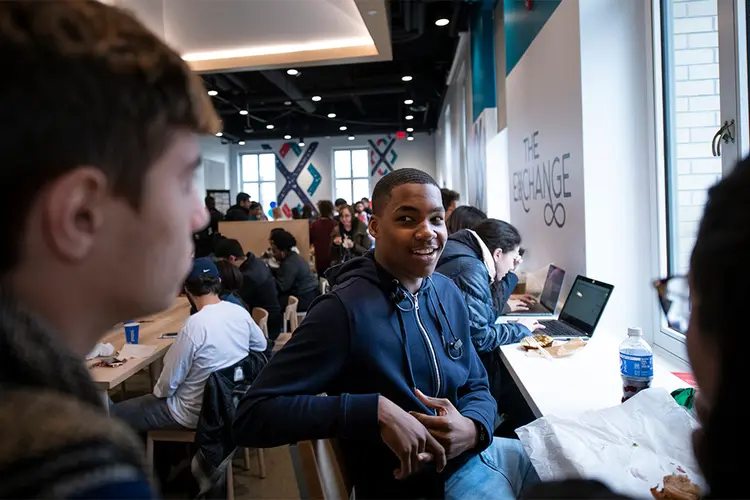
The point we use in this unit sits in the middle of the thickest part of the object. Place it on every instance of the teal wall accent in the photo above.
(522, 26)
(482, 46)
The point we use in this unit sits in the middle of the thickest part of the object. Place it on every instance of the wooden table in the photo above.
(169, 321)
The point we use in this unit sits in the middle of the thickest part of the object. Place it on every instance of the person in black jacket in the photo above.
(293, 276)
(205, 240)
(405, 392)
(240, 211)
(258, 286)
(450, 200)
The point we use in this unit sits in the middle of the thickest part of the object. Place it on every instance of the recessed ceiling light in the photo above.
(331, 115)
(219, 134)
(287, 103)
(409, 117)
(287, 137)
(212, 93)
(372, 12)
(342, 127)
(292, 72)
(442, 22)
(406, 78)
(241, 143)
(243, 112)
(351, 137)
(409, 101)
(316, 98)
(269, 126)
(410, 129)
(410, 138)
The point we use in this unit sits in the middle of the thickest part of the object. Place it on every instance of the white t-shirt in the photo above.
(216, 337)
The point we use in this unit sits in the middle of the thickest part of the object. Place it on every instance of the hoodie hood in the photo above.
(362, 267)
(467, 243)
(366, 268)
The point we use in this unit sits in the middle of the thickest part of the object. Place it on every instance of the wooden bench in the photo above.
(323, 475)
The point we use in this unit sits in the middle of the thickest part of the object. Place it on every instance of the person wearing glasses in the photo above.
(706, 306)
(475, 259)
(478, 261)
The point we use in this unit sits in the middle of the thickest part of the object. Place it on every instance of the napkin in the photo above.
(136, 351)
(101, 350)
(629, 447)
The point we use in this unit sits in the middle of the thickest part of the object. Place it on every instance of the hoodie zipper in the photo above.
(427, 339)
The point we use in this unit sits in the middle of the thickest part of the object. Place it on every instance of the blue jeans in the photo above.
(500, 472)
(145, 413)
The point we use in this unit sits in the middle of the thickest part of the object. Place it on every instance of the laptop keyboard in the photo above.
(555, 328)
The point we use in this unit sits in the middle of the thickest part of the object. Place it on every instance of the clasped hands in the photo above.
(417, 439)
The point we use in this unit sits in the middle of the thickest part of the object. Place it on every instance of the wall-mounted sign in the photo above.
(545, 133)
(543, 179)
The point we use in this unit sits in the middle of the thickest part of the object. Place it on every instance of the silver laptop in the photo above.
(550, 295)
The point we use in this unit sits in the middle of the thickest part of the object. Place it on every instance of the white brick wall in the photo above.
(696, 113)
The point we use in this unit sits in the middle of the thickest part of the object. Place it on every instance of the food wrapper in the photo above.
(560, 349)
(630, 447)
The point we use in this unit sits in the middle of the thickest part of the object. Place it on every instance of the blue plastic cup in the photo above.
(132, 330)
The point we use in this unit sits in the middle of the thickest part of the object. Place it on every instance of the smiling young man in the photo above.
(97, 157)
(406, 393)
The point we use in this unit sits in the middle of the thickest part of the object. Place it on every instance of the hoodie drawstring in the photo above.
(454, 349)
(406, 348)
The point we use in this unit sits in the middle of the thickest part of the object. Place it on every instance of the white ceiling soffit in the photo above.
(226, 35)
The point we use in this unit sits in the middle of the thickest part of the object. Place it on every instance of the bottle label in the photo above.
(637, 366)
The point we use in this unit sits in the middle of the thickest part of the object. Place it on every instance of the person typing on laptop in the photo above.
(474, 260)
(547, 304)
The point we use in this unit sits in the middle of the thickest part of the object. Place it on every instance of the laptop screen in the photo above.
(585, 304)
(552, 287)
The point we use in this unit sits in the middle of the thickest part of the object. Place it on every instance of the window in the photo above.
(351, 174)
(700, 90)
(692, 115)
(258, 177)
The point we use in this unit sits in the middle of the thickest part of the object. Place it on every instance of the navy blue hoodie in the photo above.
(366, 338)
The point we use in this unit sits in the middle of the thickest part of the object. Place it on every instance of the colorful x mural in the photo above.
(379, 156)
(291, 176)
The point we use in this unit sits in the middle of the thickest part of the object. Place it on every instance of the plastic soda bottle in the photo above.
(636, 364)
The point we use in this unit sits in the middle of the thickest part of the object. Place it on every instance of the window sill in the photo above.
(669, 361)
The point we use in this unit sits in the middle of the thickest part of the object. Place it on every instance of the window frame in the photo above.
(664, 178)
(351, 178)
(241, 180)
(733, 67)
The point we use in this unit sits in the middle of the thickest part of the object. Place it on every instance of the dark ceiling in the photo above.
(367, 98)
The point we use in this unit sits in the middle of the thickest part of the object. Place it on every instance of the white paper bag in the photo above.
(630, 447)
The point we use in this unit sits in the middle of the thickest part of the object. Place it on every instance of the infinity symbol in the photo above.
(550, 214)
